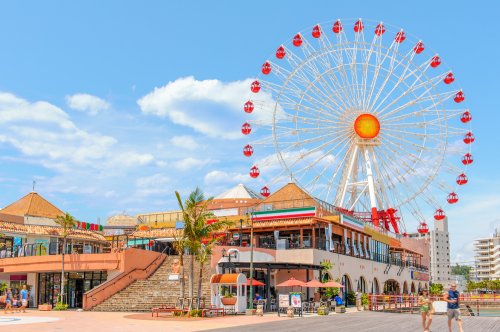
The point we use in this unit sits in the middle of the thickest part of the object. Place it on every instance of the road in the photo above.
(368, 321)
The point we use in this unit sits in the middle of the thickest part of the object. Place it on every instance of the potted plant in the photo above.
(323, 310)
(228, 299)
(45, 307)
(364, 301)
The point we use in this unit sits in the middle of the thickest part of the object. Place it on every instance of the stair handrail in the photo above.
(91, 293)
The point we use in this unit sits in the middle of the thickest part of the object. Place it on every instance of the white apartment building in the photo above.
(439, 247)
(487, 258)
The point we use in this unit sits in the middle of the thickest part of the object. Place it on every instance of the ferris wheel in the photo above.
(363, 116)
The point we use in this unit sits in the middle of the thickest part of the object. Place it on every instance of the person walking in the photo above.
(358, 300)
(8, 301)
(24, 298)
(426, 309)
(453, 306)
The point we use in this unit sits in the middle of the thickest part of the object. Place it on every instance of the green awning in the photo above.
(137, 242)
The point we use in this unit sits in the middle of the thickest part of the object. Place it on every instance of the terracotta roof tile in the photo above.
(157, 233)
(33, 205)
(79, 234)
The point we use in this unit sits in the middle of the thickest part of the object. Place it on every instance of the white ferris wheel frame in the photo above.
(325, 103)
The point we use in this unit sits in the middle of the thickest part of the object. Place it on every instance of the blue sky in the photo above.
(80, 115)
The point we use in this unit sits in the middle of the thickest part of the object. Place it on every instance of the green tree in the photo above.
(180, 245)
(463, 270)
(195, 214)
(471, 285)
(67, 222)
(436, 289)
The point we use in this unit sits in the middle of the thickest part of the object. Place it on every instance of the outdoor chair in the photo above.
(273, 305)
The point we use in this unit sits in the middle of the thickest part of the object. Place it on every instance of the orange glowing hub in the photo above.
(367, 126)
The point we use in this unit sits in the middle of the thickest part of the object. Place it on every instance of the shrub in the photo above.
(179, 313)
(61, 306)
(364, 299)
(351, 298)
(195, 313)
(331, 292)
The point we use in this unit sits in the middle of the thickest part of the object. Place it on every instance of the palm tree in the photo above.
(205, 232)
(67, 222)
(180, 245)
(195, 214)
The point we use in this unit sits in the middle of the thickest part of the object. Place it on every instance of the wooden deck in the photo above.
(370, 321)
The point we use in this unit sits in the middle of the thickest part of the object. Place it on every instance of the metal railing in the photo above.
(44, 249)
(338, 248)
(470, 305)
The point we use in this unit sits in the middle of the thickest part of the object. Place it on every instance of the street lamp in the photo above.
(241, 230)
(228, 254)
(251, 261)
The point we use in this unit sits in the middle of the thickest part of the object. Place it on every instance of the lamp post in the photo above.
(251, 263)
(241, 231)
(228, 254)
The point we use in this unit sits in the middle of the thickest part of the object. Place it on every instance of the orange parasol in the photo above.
(292, 282)
(255, 283)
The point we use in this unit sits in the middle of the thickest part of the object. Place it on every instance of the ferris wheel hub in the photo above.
(367, 126)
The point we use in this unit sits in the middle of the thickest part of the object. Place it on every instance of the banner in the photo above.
(360, 247)
(285, 214)
(352, 222)
(353, 242)
(329, 241)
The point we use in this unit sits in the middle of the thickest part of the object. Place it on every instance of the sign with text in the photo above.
(284, 300)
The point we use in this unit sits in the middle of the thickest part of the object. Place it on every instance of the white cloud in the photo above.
(221, 177)
(87, 103)
(157, 184)
(185, 142)
(190, 163)
(210, 107)
(46, 135)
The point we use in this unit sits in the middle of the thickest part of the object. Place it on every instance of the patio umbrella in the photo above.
(314, 284)
(292, 282)
(254, 283)
(332, 284)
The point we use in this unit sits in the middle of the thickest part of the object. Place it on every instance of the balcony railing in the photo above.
(338, 248)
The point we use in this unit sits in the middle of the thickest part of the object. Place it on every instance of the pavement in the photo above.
(73, 321)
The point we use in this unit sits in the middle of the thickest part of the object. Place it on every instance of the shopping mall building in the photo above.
(294, 234)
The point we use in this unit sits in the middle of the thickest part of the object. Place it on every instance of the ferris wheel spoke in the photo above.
(314, 150)
(375, 44)
(333, 159)
(391, 137)
(305, 83)
(429, 171)
(388, 76)
(436, 99)
(333, 55)
(403, 182)
(413, 88)
(292, 147)
(393, 49)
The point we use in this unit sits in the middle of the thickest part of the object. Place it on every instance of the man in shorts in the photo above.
(453, 308)
(24, 299)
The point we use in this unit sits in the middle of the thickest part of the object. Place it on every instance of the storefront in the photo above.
(77, 283)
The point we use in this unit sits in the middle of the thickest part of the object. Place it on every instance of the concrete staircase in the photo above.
(142, 295)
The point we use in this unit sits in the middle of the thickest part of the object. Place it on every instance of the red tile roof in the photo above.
(78, 234)
(33, 205)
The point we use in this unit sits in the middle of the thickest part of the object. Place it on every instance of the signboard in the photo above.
(284, 300)
(285, 214)
(351, 222)
(415, 275)
(295, 300)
